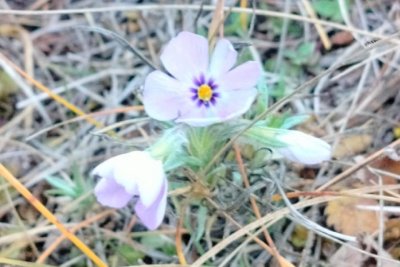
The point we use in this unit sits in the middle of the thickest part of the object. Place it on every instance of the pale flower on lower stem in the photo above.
(303, 148)
(134, 175)
(198, 89)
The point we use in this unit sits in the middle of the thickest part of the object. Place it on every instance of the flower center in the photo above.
(204, 92)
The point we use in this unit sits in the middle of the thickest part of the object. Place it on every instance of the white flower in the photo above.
(135, 174)
(200, 90)
(303, 148)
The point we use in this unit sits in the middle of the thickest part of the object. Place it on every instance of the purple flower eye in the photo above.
(200, 91)
(204, 93)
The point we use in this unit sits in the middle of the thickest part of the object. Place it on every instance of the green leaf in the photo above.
(204, 144)
(302, 55)
(169, 148)
(201, 222)
(263, 97)
(284, 121)
(61, 187)
(233, 25)
(159, 242)
(265, 136)
(275, 121)
(329, 9)
(279, 90)
(76, 188)
(293, 121)
(294, 29)
(130, 255)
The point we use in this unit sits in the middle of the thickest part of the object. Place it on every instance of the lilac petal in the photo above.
(106, 168)
(111, 194)
(186, 56)
(228, 105)
(244, 76)
(304, 148)
(236, 91)
(163, 95)
(198, 115)
(223, 58)
(152, 216)
(140, 174)
(235, 103)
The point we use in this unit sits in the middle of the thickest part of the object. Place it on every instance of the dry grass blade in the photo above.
(178, 237)
(283, 262)
(243, 16)
(360, 165)
(246, 230)
(58, 241)
(56, 97)
(73, 73)
(49, 216)
(124, 43)
(260, 12)
(217, 24)
(12, 262)
(84, 117)
(322, 33)
(17, 31)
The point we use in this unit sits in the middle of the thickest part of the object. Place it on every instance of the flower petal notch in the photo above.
(198, 91)
(134, 175)
(303, 148)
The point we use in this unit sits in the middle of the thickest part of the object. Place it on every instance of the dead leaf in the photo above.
(346, 218)
(346, 256)
(352, 145)
(395, 252)
(342, 38)
(385, 164)
(392, 230)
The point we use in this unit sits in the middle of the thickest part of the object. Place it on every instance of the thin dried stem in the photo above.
(254, 206)
(321, 31)
(56, 97)
(178, 236)
(42, 258)
(358, 166)
(50, 216)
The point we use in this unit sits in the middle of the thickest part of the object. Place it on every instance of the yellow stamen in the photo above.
(205, 92)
